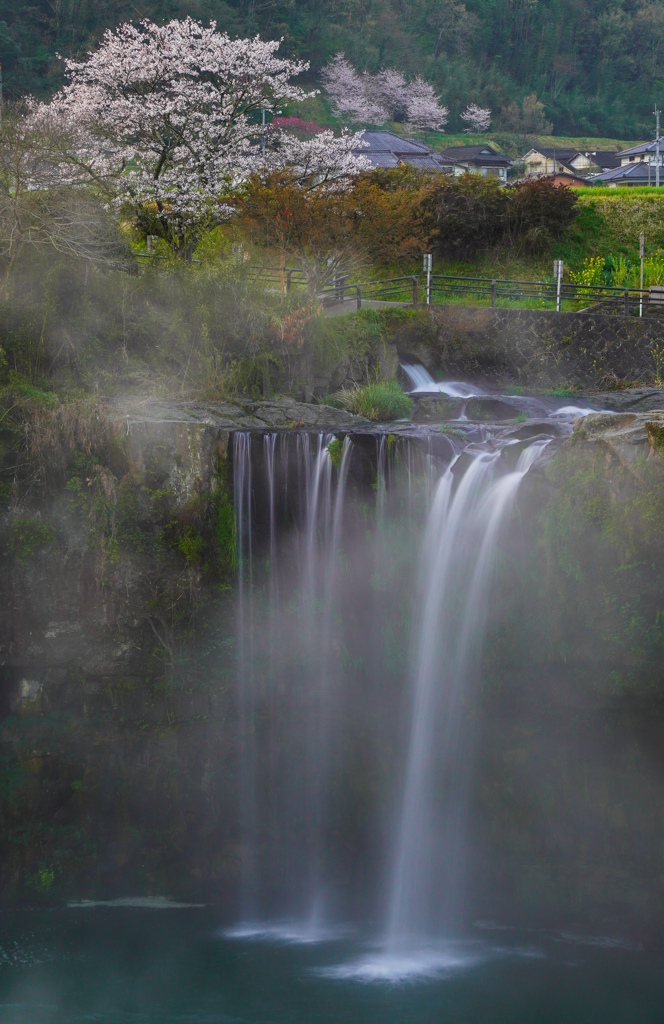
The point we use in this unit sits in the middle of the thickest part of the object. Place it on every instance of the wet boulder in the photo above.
(437, 408)
(512, 451)
(536, 428)
(490, 410)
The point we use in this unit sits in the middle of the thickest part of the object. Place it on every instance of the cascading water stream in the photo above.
(324, 558)
(421, 381)
(247, 771)
(458, 554)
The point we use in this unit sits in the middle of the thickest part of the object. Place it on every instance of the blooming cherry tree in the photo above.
(424, 110)
(477, 118)
(325, 161)
(351, 93)
(168, 116)
(388, 90)
(375, 99)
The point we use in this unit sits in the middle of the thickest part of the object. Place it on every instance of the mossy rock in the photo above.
(655, 432)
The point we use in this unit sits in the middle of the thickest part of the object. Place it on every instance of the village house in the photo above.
(636, 166)
(547, 160)
(645, 152)
(482, 160)
(385, 149)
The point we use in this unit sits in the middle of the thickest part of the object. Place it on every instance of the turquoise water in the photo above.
(133, 966)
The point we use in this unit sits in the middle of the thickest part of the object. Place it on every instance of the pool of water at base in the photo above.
(134, 965)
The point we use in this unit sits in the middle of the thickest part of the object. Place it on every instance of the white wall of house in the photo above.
(485, 172)
(643, 158)
(544, 165)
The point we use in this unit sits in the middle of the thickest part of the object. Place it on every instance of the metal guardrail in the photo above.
(384, 290)
(623, 299)
(277, 275)
(410, 290)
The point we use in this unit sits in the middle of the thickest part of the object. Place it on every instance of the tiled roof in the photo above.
(381, 159)
(632, 172)
(430, 162)
(605, 158)
(643, 147)
(494, 160)
(468, 152)
(385, 149)
(478, 156)
(391, 143)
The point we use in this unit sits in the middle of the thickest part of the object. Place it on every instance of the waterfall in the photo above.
(246, 698)
(458, 555)
(327, 591)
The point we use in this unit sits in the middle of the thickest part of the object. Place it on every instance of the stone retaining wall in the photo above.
(536, 347)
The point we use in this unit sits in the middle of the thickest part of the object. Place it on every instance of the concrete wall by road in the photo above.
(536, 347)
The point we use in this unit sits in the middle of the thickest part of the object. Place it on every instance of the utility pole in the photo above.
(263, 135)
(642, 246)
(657, 113)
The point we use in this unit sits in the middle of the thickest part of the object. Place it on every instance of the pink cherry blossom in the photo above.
(385, 96)
(477, 118)
(170, 114)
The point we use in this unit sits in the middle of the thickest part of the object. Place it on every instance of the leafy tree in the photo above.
(470, 215)
(378, 217)
(474, 214)
(164, 118)
(537, 213)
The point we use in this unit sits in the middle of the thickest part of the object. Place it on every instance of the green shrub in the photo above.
(335, 450)
(379, 402)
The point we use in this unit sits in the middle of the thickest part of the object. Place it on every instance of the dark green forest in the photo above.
(596, 64)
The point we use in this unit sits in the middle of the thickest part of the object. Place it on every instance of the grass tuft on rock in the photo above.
(379, 402)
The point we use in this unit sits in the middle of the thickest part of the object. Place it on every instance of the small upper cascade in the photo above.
(423, 383)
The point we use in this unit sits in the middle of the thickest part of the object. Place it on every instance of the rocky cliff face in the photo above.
(569, 809)
(116, 640)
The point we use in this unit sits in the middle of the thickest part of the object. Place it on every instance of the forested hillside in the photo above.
(596, 64)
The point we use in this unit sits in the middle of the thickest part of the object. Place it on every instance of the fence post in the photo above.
(428, 266)
(415, 287)
(558, 268)
(359, 296)
(288, 280)
(626, 301)
(493, 294)
(642, 240)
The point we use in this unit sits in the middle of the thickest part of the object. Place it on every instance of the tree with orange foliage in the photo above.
(374, 218)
